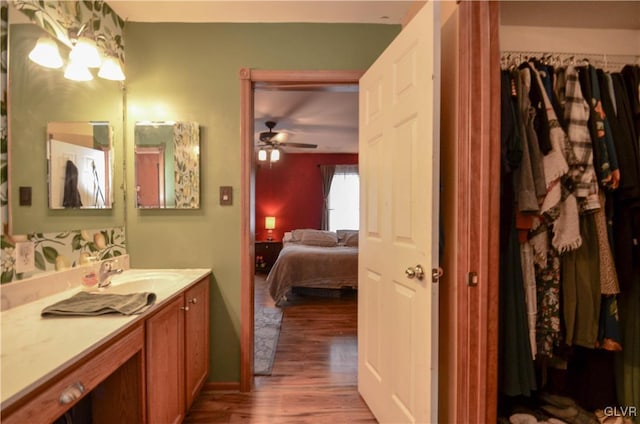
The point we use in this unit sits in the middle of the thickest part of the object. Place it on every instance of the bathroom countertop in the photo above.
(34, 349)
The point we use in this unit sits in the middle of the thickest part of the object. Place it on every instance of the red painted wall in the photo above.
(291, 190)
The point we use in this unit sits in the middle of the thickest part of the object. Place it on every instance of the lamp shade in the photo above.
(86, 52)
(262, 155)
(270, 222)
(46, 53)
(275, 155)
(77, 72)
(111, 69)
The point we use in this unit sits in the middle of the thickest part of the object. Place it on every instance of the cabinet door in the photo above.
(196, 339)
(165, 364)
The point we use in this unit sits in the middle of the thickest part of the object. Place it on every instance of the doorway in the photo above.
(248, 80)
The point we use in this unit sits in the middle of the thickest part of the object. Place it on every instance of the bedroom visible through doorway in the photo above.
(252, 224)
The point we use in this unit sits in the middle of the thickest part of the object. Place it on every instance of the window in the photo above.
(344, 199)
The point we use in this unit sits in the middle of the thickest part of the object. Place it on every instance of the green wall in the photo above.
(189, 72)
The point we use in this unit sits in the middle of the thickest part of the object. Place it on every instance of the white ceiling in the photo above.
(348, 11)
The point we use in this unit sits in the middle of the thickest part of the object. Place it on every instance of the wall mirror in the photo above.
(80, 164)
(37, 97)
(167, 164)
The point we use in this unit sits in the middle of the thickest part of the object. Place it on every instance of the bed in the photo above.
(315, 259)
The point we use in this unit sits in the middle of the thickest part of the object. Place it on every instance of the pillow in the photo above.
(296, 235)
(351, 239)
(319, 238)
(343, 233)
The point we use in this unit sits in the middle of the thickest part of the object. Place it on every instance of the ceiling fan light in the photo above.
(275, 155)
(46, 53)
(85, 51)
(262, 155)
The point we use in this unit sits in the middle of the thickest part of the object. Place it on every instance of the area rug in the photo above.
(266, 332)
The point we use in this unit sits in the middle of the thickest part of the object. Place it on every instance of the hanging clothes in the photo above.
(517, 376)
(71, 197)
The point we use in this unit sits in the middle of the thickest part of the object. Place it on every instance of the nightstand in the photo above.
(266, 254)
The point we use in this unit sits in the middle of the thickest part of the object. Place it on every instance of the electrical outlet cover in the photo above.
(25, 257)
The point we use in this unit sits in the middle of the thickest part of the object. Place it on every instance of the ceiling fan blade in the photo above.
(302, 145)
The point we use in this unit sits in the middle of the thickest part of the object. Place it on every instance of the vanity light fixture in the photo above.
(77, 72)
(46, 53)
(111, 69)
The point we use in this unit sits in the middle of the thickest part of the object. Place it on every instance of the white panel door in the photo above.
(397, 310)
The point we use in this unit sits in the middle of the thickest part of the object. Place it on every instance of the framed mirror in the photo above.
(167, 164)
(80, 164)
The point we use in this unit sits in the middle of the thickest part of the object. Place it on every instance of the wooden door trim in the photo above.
(478, 212)
(248, 79)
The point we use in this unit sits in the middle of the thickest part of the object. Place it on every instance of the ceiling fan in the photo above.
(275, 139)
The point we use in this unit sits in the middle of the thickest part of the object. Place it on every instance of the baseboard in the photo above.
(222, 386)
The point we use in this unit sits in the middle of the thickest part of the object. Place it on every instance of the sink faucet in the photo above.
(106, 272)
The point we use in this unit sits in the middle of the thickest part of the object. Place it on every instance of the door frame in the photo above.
(476, 227)
(248, 80)
(477, 217)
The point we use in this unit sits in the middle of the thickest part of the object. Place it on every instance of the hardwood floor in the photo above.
(314, 378)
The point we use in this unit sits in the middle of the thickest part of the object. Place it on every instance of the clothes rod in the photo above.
(577, 56)
(607, 61)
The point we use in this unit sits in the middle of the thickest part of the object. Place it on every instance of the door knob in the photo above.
(415, 272)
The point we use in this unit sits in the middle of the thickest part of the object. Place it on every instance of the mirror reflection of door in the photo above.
(150, 177)
(79, 164)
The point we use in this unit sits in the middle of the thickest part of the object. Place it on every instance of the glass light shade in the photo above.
(77, 72)
(262, 155)
(111, 69)
(86, 52)
(275, 155)
(46, 53)
(270, 222)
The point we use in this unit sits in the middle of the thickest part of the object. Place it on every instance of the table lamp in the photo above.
(269, 225)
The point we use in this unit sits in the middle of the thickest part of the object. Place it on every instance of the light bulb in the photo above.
(46, 53)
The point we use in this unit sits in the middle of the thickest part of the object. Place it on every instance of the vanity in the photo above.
(125, 369)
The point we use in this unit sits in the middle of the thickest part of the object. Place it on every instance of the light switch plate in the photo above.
(25, 256)
(226, 195)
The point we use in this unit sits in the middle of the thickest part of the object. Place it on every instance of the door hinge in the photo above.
(472, 279)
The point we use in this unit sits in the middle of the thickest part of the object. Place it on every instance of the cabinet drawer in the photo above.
(65, 390)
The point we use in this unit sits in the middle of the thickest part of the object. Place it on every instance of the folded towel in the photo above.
(93, 304)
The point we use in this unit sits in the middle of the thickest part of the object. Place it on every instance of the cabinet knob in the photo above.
(193, 300)
(71, 393)
(184, 308)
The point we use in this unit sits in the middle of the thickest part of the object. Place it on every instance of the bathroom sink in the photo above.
(133, 281)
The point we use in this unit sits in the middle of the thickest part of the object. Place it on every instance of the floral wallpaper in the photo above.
(63, 19)
(4, 155)
(186, 139)
(58, 251)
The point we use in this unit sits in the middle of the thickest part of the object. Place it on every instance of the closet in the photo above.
(569, 327)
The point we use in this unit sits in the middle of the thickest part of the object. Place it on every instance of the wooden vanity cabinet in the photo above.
(177, 354)
(196, 340)
(116, 366)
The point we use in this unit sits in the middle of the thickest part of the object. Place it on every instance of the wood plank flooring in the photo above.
(314, 378)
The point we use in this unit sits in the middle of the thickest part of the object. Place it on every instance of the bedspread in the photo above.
(312, 266)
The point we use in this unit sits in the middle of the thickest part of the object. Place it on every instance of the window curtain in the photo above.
(326, 172)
